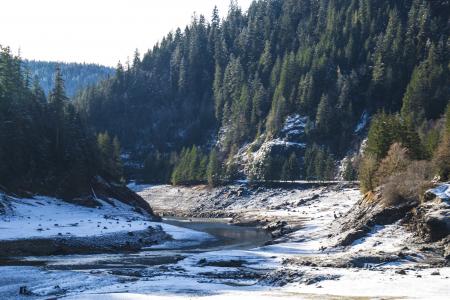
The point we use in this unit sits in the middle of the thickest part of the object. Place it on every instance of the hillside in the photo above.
(45, 145)
(324, 67)
(76, 76)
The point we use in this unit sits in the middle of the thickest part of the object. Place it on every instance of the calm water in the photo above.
(227, 237)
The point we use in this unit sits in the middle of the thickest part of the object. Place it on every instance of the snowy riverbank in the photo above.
(302, 264)
(45, 225)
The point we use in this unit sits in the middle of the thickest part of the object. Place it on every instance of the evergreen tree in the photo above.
(57, 100)
(45, 147)
(426, 94)
(239, 78)
(213, 171)
(291, 169)
(350, 173)
(324, 116)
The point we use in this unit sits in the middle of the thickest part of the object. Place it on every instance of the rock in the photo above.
(319, 278)
(441, 191)
(400, 272)
(23, 290)
(366, 213)
(222, 263)
(431, 220)
(435, 273)
(281, 277)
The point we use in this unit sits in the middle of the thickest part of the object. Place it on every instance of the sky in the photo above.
(95, 31)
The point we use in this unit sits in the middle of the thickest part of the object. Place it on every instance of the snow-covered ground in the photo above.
(303, 265)
(46, 217)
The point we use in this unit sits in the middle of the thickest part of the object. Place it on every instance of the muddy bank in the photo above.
(272, 207)
(285, 211)
(130, 241)
(50, 226)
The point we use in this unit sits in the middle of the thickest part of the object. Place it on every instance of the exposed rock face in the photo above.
(428, 220)
(290, 140)
(432, 217)
(368, 212)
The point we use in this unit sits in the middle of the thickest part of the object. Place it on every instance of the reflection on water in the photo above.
(227, 237)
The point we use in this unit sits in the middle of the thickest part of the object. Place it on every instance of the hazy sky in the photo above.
(98, 31)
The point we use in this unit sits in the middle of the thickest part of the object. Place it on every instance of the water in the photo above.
(227, 237)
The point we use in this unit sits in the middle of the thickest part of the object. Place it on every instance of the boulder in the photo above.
(431, 219)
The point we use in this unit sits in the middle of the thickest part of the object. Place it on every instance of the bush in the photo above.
(408, 185)
(367, 169)
(396, 161)
(441, 159)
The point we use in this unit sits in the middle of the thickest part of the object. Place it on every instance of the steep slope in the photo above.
(46, 148)
(236, 81)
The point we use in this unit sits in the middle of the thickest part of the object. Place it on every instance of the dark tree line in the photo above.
(239, 77)
(76, 76)
(45, 145)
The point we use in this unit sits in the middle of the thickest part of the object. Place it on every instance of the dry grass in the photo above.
(408, 185)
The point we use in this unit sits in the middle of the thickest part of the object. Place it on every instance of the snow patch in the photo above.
(362, 122)
(442, 191)
(47, 217)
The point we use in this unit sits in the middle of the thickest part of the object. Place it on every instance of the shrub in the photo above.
(367, 169)
(408, 185)
(441, 159)
(396, 161)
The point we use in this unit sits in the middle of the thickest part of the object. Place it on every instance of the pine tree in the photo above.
(324, 116)
(38, 92)
(57, 100)
(291, 168)
(425, 96)
(117, 161)
(136, 59)
(349, 171)
(213, 171)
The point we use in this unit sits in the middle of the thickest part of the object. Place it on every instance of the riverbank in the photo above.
(50, 226)
(305, 224)
(302, 263)
(280, 210)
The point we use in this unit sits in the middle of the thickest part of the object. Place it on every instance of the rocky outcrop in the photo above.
(291, 139)
(431, 220)
(371, 210)
(428, 219)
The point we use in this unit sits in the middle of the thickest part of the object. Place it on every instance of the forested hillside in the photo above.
(76, 76)
(45, 146)
(326, 66)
